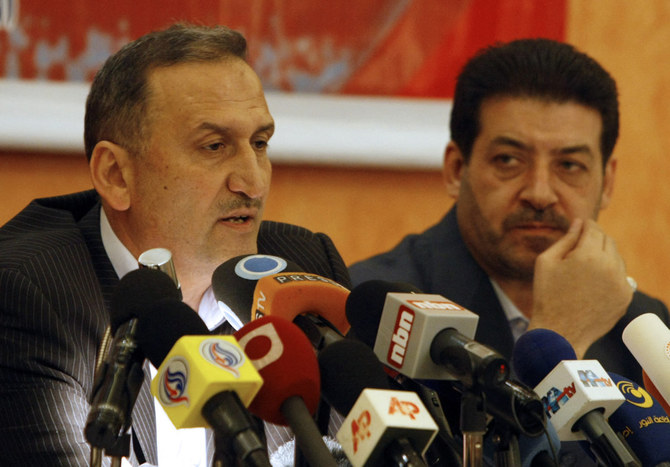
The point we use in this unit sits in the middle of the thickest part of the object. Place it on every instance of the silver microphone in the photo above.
(161, 259)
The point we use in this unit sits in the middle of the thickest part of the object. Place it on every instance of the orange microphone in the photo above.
(288, 295)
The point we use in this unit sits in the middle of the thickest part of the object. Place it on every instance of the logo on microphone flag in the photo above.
(172, 391)
(360, 429)
(253, 267)
(403, 407)
(400, 338)
(635, 394)
(223, 354)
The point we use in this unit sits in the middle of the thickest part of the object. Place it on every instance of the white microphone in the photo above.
(427, 336)
(381, 419)
(578, 395)
(648, 339)
(573, 389)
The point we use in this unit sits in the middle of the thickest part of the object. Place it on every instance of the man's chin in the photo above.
(536, 244)
(230, 253)
(519, 262)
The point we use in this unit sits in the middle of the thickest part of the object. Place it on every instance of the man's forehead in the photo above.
(524, 122)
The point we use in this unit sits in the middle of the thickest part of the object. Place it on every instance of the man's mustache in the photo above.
(546, 217)
(240, 202)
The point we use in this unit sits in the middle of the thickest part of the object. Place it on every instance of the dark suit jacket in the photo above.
(55, 286)
(437, 261)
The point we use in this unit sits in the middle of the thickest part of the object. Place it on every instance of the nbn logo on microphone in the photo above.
(400, 338)
(435, 305)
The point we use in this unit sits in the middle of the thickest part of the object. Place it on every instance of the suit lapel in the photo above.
(144, 419)
(458, 277)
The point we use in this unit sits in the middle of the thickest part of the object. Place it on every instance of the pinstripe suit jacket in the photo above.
(55, 286)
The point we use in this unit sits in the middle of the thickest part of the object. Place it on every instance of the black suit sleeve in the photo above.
(43, 402)
(314, 252)
(610, 350)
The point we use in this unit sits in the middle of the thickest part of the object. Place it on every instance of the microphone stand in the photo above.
(506, 445)
(322, 418)
(473, 427)
(223, 453)
(156, 258)
(121, 448)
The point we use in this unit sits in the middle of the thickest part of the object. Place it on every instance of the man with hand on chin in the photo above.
(533, 126)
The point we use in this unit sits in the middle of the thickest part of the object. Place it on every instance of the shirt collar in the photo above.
(518, 321)
(213, 313)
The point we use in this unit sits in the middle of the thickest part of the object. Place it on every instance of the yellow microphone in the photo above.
(198, 368)
(205, 381)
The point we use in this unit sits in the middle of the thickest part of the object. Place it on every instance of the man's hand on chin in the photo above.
(580, 288)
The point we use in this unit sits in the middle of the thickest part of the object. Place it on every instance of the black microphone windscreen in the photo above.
(537, 352)
(234, 281)
(365, 305)
(136, 292)
(167, 321)
(347, 367)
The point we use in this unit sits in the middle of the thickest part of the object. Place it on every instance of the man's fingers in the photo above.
(567, 242)
(593, 238)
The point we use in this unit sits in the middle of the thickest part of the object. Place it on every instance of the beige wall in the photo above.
(368, 211)
(632, 40)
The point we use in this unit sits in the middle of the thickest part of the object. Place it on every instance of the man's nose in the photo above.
(250, 174)
(538, 190)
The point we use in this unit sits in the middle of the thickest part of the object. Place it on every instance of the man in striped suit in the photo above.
(176, 134)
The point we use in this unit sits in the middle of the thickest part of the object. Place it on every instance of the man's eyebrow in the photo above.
(269, 127)
(226, 130)
(566, 150)
(576, 149)
(507, 141)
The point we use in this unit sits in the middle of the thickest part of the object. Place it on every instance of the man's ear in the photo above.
(109, 166)
(608, 183)
(452, 169)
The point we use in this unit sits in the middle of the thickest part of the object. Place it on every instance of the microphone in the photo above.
(651, 389)
(411, 327)
(205, 381)
(518, 406)
(160, 259)
(648, 339)
(290, 396)
(349, 368)
(364, 324)
(425, 336)
(384, 426)
(518, 434)
(120, 377)
(540, 451)
(234, 281)
(578, 395)
(642, 422)
(312, 302)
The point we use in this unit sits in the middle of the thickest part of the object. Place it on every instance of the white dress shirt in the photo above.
(517, 321)
(187, 447)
